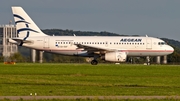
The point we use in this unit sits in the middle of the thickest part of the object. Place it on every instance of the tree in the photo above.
(17, 57)
(1, 58)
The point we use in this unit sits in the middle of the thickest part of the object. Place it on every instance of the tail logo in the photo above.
(22, 20)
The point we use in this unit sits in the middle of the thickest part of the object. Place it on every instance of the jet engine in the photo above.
(116, 56)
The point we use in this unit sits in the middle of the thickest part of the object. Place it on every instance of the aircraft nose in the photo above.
(171, 49)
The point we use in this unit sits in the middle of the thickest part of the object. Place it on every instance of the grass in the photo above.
(95, 100)
(85, 79)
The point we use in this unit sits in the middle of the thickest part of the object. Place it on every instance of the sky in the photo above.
(156, 18)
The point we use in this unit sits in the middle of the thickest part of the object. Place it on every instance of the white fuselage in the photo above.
(133, 46)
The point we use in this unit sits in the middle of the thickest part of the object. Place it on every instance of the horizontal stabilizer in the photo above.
(20, 41)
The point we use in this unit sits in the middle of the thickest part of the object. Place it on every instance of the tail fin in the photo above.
(25, 26)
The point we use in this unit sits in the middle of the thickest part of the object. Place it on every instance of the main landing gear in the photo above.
(94, 62)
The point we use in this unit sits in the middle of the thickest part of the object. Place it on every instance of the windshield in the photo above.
(162, 43)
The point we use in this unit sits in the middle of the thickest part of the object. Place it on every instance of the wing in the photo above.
(93, 49)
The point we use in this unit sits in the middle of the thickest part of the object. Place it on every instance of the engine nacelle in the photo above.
(116, 56)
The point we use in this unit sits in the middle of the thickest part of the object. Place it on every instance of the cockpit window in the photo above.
(162, 43)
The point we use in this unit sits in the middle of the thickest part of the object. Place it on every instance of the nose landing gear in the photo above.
(148, 60)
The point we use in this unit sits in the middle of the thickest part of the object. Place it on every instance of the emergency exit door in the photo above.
(148, 44)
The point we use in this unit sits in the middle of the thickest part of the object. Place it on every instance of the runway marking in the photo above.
(86, 97)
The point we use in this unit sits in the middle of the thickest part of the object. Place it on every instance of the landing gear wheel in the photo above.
(94, 62)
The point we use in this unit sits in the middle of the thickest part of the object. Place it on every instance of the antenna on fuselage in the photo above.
(146, 35)
(74, 34)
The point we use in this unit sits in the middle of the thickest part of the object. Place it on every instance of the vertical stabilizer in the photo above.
(25, 26)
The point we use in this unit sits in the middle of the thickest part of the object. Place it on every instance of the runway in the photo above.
(86, 97)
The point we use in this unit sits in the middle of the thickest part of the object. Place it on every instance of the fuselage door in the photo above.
(46, 42)
(148, 43)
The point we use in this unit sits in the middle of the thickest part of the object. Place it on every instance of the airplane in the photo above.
(108, 48)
